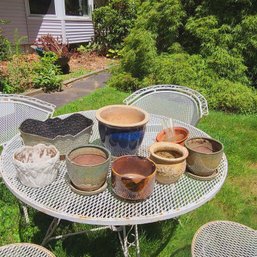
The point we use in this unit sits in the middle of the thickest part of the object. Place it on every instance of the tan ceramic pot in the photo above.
(170, 161)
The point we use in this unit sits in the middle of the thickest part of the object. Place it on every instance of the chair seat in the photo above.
(24, 250)
(224, 239)
(174, 101)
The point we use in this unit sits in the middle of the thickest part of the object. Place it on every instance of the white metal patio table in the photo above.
(105, 209)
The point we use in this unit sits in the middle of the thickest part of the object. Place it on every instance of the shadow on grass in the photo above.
(183, 251)
(93, 244)
(155, 236)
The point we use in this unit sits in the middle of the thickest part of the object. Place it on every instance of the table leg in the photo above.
(129, 239)
(54, 224)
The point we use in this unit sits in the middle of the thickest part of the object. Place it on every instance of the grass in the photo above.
(73, 74)
(236, 200)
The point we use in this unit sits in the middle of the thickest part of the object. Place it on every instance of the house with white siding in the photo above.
(70, 19)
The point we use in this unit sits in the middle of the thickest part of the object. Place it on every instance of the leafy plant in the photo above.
(48, 43)
(112, 23)
(5, 44)
(19, 75)
(46, 73)
(112, 53)
(90, 47)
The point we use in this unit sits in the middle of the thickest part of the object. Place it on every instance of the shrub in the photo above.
(112, 23)
(232, 97)
(5, 45)
(163, 19)
(46, 73)
(124, 82)
(139, 53)
(19, 75)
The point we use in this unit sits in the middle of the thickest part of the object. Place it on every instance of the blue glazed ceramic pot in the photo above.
(121, 128)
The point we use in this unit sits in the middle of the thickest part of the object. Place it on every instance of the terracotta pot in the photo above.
(133, 177)
(205, 155)
(36, 165)
(87, 167)
(180, 135)
(122, 128)
(170, 161)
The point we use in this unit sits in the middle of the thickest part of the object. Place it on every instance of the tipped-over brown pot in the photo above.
(170, 161)
(133, 177)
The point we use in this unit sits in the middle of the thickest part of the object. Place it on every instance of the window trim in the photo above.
(78, 17)
(30, 15)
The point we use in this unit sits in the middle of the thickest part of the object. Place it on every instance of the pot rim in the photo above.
(103, 149)
(205, 138)
(137, 124)
(171, 146)
(178, 141)
(141, 157)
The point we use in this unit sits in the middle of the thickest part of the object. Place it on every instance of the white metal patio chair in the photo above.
(14, 109)
(178, 102)
(224, 239)
(24, 250)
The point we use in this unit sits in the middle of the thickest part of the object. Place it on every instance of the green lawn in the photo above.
(237, 200)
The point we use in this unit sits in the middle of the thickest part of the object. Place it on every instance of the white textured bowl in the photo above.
(36, 165)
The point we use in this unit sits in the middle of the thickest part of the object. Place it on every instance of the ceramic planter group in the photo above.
(121, 129)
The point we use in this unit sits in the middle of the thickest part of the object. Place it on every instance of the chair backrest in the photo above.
(24, 249)
(14, 109)
(178, 102)
(223, 239)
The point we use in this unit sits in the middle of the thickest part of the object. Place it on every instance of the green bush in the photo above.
(5, 45)
(139, 53)
(19, 75)
(124, 82)
(45, 73)
(112, 23)
(232, 97)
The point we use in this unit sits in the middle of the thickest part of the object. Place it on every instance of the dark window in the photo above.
(41, 7)
(76, 7)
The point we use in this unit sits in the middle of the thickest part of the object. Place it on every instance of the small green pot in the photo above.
(88, 176)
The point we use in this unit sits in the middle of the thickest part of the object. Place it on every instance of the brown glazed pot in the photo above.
(204, 156)
(133, 177)
(170, 161)
(181, 135)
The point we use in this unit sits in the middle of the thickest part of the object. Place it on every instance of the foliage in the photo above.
(90, 47)
(188, 43)
(125, 82)
(138, 53)
(48, 43)
(5, 44)
(46, 73)
(112, 23)
(163, 19)
(19, 75)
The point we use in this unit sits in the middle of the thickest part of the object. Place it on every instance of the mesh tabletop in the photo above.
(24, 250)
(166, 201)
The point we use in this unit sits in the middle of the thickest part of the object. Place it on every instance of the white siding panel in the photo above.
(38, 27)
(14, 11)
(79, 31)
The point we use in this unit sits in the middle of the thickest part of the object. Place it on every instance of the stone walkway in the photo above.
(78, 89)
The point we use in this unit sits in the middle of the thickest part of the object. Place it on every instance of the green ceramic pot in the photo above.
(87, 167)
(204, 156)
